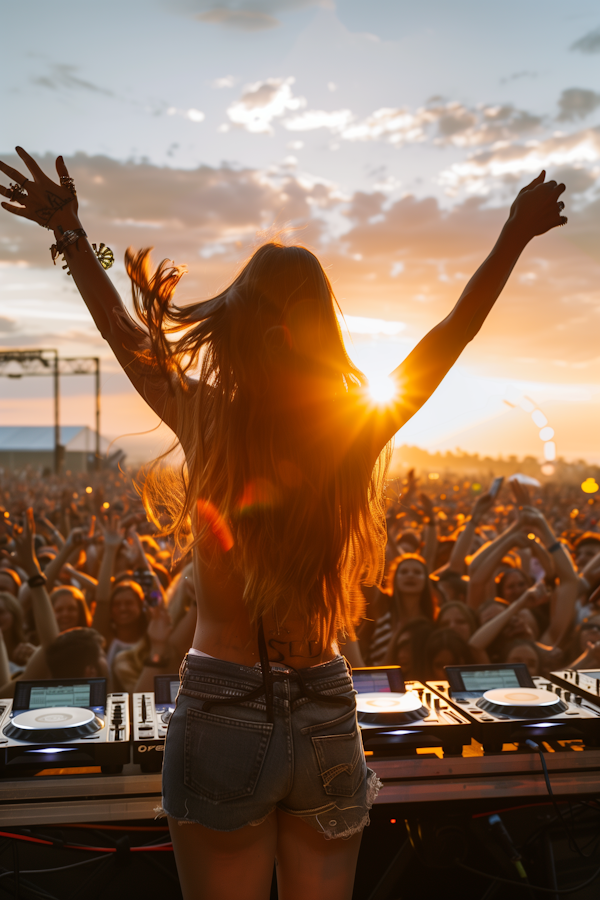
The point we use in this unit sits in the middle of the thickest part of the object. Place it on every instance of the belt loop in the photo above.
(266, 669)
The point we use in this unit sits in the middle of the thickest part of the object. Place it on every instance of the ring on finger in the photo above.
(16, 191)
(561, 206)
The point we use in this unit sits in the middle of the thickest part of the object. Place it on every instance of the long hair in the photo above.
(274, 426)
(426, 606)
(84, 616)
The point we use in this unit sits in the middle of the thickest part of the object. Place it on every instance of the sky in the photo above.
(389, 137)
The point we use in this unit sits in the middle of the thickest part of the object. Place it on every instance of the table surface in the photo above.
(73, 796)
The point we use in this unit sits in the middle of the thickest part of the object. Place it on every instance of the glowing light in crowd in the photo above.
(546, 431)
(434, 476)
(106, 506)
(589, 486)
(381, 388)
(210, 515)
(88, 490)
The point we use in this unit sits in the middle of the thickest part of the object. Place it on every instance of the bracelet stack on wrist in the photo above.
(104, 254)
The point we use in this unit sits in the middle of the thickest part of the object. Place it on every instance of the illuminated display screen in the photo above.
(595, 675)
(59, 695)
(370, 682)
(487, 679)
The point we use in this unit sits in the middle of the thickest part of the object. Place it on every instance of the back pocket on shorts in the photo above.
(223, 757)
(341, 762)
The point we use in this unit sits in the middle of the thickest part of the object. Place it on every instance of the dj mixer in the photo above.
(69, 722)
(506, 705)
(152, 711)
(583, 683)
(397, 718)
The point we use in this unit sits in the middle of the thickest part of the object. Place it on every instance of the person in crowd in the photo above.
(584, 648)
(12, 622)
(460, 617)
(407, 596)
(445, 647)
(407, 649)
(70, 608)
(10, 581)
(284, 495)
(524, 651)
(77, 653)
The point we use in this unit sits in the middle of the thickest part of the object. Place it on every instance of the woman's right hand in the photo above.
(42, 200)
(537, 207)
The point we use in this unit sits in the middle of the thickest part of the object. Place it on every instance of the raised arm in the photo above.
(55, 206)
(536, 210)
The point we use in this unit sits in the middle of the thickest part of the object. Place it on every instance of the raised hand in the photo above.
(24, 545)
(40, 199)
(537, 207)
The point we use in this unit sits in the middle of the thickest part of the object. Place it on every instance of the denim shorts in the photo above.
(226, 766)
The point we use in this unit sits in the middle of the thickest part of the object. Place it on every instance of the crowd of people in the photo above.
(88, 587)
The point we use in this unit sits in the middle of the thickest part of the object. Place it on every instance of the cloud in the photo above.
(227, 82)
(183, 211)
(441, 122)
(318, 118)
(577, 103)
(589, 43)
(243, 15)
(194, 115)
(62, 75)
(580, 150)
(244, 19)
(262, 102)
(6, 325)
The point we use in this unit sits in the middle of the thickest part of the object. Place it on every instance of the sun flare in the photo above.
(382, 388)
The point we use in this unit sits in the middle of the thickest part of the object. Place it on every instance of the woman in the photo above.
(282, 493)
(511, 584)
(12, 623)
(70, 608)
(407, 596)
(460, 617)
(407, 649)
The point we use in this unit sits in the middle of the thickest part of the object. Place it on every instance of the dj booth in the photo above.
(489, 739)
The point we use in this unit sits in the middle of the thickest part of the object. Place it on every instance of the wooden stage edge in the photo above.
(88, 798)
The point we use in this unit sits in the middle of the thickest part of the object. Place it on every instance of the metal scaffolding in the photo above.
(19, 363)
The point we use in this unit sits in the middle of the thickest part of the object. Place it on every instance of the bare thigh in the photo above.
(309, 865)
(225, 865)
(238, 865)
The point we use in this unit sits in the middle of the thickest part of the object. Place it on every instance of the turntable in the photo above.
(64, 722)
(506, 705)
(397, 718)
(151, 715)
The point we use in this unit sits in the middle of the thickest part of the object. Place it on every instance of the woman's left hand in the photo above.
(537, 207)
(40, 199)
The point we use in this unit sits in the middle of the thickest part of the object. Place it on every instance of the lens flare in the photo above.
(258, 493)
(210, 515)
(382, 388)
